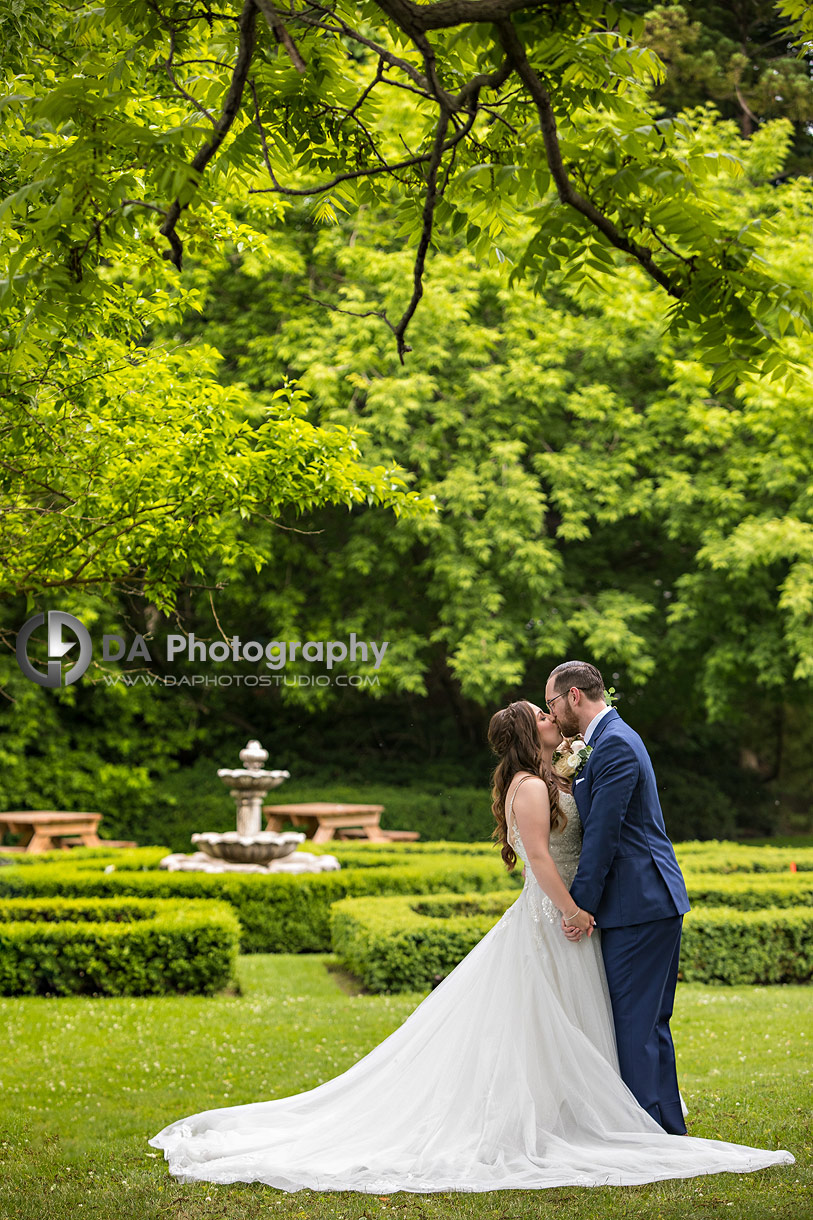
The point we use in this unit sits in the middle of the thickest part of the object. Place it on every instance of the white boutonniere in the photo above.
(569, 758)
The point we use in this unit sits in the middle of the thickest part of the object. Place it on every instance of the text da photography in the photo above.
(276, 653)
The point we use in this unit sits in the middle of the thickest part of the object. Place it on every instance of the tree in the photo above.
(739, 57)
(124, 461)
(598, 486)
(593, 492)
(129, 135)
(129, 467)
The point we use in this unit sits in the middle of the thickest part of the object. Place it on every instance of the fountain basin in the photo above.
(199, 862)
(243, 780)
(257, 848)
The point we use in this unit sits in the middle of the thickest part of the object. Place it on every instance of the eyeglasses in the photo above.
(550, 702)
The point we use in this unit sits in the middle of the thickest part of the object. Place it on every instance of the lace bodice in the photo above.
(565, 845)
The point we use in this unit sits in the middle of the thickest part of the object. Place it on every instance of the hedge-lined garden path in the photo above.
(85, 1082)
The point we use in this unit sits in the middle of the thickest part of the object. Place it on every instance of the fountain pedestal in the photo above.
(249, 786)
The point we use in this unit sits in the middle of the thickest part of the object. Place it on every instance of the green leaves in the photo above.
(103, 149)
(119, 492)
(610, 407)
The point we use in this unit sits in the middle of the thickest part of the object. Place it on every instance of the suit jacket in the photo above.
(628, 872)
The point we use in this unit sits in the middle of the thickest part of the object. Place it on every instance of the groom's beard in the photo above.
(567, 722)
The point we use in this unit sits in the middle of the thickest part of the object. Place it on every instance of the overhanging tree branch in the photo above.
(367, 171)
(416, 19)
(341, 27)
(247, 39)
(430, 201)
(565, 188)
(431, 69)
(280, 32)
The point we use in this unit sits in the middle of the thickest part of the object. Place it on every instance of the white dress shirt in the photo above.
(593, 725)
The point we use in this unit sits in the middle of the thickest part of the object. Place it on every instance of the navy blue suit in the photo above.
(630, 880)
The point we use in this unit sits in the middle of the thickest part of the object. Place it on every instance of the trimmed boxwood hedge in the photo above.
(284, 913)
(408, 944)
(119, 946)
(750, 891)
(735, 947)
(278, 913)
(130, 857)
(351, 853)
(708, 856)
(713, 856)
(361, 852)
(364, 849)
(411, 943)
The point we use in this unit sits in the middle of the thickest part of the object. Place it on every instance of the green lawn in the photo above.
(85, 1082)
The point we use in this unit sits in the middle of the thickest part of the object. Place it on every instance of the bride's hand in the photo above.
(582, 922)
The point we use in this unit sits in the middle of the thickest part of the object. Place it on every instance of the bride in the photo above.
(504, 1077)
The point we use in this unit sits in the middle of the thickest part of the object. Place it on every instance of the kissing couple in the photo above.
(544, 1058)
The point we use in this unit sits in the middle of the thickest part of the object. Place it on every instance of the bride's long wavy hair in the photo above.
(513, 736)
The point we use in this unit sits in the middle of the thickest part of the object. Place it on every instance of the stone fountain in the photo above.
(249, 786)
(249, 848)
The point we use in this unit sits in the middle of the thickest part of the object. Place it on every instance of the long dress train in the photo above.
(503, 1077)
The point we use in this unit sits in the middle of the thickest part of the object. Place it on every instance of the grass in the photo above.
(85, 1082)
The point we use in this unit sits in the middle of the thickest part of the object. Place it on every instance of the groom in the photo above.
(630, 881)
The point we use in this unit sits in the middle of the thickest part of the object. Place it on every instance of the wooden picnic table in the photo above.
(321, 819)
(43, 827)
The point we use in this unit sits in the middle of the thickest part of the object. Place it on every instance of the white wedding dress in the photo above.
(504, 1077)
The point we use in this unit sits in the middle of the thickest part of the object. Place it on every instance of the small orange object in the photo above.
(793, 866)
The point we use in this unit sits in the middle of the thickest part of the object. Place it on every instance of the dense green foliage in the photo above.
(736, 56)
(405, 944)
(66, 946)
(133, 139)
(124, 450)
(722, 857)
(761, 947)
(557, 467)
(278, 913)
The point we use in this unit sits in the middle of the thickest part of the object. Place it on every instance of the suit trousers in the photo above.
(641, 964)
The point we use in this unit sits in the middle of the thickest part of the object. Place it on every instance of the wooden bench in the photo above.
(322, 820)
(68, 841)
(351, 832)
(50, 829)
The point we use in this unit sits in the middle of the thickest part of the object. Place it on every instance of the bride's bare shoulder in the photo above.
(529, 792)
(520, 775)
